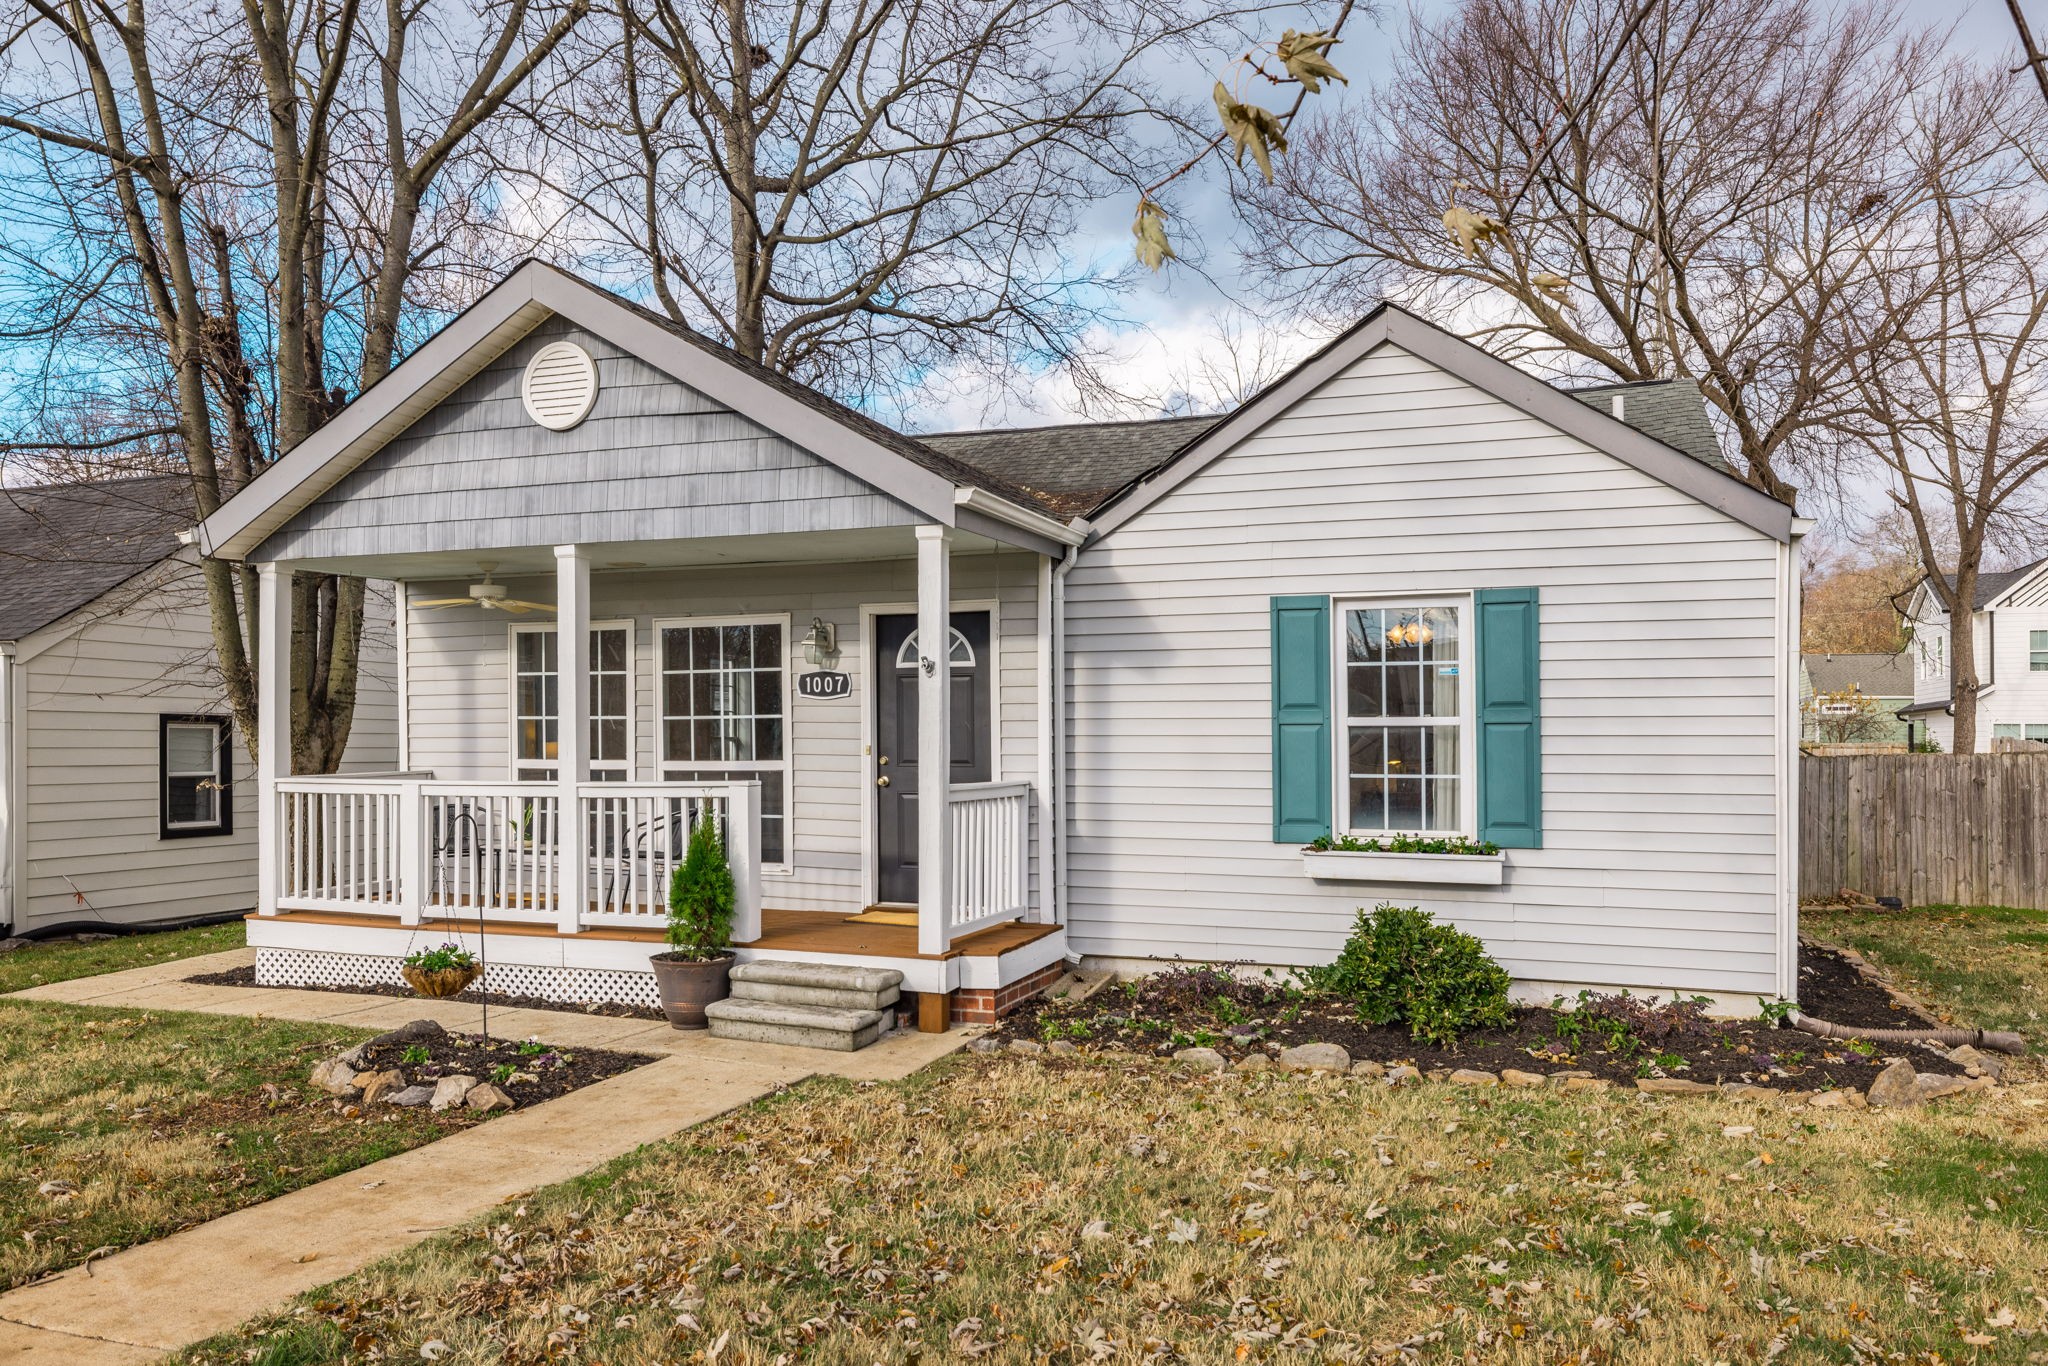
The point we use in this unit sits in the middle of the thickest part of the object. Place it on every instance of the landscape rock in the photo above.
(1674, 1086)
(1587, 1083)
(1830, 1100)
(335, 1077)
(484, 1096)
(1030, 1048)
(1315, 1057)
(1563, 1080)
(1472, 1076)
(92, 937)
(11, 944)
(1366, 1067)
(1515, 1076)
(1747, 1090)
(414, 1031)
(1063, 1047)
(1897, 1085)
(985, 1044)
(1973, 1062)
(410, 1096)
(377, 1085)
(1202, 1059)
(1403, 1076)
(450, 1092)
(1933, 1085)
(1254, 1062)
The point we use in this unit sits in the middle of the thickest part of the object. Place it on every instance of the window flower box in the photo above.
(1455, 861)
(1465, 870)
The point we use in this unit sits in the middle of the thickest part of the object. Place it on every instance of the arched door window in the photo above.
(962, 652)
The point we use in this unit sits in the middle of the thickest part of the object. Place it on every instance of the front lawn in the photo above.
(1982, 966)
(122, 1125)
(60, 960)
(1109, 1209)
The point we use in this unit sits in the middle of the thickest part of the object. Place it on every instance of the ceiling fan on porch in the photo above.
(491, 595)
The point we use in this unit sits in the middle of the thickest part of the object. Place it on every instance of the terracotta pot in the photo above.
(687, 985)
(438, 983)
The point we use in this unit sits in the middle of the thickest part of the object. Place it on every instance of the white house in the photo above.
(1407, 589)
(125, 794)
(2010, 623)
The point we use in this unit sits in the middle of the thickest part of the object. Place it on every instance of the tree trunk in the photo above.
(1964, 684)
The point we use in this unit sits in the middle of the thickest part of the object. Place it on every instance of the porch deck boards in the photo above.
(781, 930)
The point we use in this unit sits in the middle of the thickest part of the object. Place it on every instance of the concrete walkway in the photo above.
(153, 1299)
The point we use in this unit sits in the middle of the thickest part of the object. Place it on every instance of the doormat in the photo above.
(876, 915)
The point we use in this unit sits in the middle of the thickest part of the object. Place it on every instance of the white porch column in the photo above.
(273, 725)
(934, 737)
(1043, 909)
(572, 735)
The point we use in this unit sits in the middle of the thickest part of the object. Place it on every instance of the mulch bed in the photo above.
(1185, 1008)
(246, 977)
(539, 1071)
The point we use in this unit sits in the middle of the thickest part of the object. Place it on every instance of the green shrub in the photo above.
(1399, 964)
(700, 896)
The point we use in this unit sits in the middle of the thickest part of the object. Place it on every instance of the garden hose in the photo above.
(1949, 1038)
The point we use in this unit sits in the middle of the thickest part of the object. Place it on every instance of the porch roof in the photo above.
(934, 485)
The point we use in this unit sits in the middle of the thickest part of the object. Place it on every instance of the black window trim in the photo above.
(224, 762)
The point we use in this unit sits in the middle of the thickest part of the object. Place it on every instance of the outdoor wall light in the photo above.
(821, 643)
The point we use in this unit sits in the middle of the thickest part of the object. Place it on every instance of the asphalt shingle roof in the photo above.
(1074, 469)
(1672, 411)
(1991, 584)
(62, 545)
(1877, 675)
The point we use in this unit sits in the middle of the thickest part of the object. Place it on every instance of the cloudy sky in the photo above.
(1181, 326)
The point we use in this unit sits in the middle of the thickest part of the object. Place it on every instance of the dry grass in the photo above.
(1984, 965)
(158, 1121)
(1010, 1211)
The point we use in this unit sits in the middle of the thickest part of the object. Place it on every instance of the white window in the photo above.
(1932, 663)
(2037, 652)
(2035, 732)
(723, 698)
(537, 702)
(1405, 697)
(194, 796)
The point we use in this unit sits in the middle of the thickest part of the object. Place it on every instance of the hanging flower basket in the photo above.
(438, 983)
(440, 972)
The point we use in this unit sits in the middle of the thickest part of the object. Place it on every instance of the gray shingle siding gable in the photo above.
(655, 460)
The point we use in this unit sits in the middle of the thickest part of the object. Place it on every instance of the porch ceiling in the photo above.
(810, 547)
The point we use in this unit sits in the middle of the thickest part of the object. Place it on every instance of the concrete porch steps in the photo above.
(807, 1005)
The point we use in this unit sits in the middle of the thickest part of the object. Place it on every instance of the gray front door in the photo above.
(895, 666)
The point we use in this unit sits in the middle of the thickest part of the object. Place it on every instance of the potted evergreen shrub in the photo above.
(695, 970)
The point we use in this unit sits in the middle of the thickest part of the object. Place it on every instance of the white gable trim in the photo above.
(1388, 325)
(485, 331)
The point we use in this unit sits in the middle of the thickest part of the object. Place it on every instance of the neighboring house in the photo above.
(2011, 626)
(1832, 698)
(125, 793)
(1407, 588)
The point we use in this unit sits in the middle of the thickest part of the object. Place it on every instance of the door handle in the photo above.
(882, 762)
(882, 781)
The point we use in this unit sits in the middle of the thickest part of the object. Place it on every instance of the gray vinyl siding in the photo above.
(1661, 713)
(655, 460)
(459, 687)
(93, 697)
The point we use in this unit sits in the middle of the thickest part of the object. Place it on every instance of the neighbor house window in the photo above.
(2037, 651)
(723, 713)
(194, 793)
(1401, 754)
(1931, 663)
(537, 701)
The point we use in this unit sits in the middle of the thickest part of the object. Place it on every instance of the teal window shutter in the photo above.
(1510, 718)
(1301, 719)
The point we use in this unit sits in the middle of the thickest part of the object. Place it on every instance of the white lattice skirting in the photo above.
(582, 986)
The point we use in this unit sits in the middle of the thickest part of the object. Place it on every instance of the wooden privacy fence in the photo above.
(1967, 829)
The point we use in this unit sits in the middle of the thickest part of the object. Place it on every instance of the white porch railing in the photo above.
(991, 832)
(420, 848)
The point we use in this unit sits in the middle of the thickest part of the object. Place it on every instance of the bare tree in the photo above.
(859, 194)
(1954, 398)
(1694, 188)
(222, 195)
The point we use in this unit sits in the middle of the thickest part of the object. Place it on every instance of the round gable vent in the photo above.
(560, 385)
